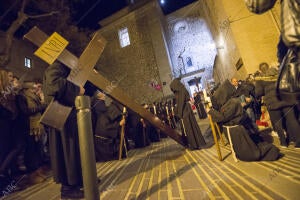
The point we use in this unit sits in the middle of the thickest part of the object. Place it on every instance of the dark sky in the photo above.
(93, 11)
(89, 13)
(85, 13)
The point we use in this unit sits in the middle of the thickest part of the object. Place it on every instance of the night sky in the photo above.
(89, 14)
(85, 13)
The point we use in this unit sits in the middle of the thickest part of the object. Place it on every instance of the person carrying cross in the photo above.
(64, 144)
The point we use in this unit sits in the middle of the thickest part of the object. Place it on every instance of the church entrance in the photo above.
(193, 83)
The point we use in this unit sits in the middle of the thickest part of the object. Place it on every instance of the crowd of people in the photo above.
(245, 105)
(27, 147)
(23, 142)
(34, 151)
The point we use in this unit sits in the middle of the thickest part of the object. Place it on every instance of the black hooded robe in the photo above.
(200, 107)
(232, 113)
(184, 112)
(247, 150)
(107, 131)
(63, 145)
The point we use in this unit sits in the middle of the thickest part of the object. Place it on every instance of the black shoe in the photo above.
(283, 143)
(280, 155)
(297, 145)
(208, 145)
(71, 192)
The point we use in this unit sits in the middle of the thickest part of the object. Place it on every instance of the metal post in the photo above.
(86, 145)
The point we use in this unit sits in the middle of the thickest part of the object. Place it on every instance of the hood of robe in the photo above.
(224, 92)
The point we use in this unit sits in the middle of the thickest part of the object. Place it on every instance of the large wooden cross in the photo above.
(82, 70)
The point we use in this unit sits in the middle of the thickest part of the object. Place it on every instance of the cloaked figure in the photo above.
(107, 127)
(64, 144)
(184, 112)
(247, 143)
(200, 107)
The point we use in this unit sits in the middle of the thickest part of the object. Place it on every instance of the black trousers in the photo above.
(285, 119)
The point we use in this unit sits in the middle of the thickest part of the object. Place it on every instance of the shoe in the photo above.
(71, 192)
(35, 177)
(280, 155)
(283, 143)
(43, 172)
(45, 168)
(297, 145)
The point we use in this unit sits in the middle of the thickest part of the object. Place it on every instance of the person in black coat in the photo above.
(229, 111)
(185, 113)
(282, 113)
(64, 144)
(247, 146)
(23, 139)
(200, 107)
(8, 114)
(107, 128)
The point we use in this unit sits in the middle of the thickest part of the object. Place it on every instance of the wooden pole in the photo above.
(122, 136)
(215, 137)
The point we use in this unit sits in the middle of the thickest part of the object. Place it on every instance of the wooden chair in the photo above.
(230, 141)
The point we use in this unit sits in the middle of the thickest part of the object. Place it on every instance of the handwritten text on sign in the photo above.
(51, 48)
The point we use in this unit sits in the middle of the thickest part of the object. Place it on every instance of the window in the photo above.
(189, 61)
(124, 37)
(28, 63)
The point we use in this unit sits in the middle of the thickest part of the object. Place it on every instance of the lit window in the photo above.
(28, 63)
(124, 37)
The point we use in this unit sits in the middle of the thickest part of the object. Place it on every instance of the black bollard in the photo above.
(86, 145)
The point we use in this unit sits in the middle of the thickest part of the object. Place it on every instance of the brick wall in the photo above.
(133, 66)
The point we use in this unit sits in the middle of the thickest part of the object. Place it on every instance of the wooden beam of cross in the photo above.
(38, 37)
(54, 47)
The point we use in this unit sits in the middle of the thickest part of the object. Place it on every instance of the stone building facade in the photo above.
(211, 39)
(161, 48)
(135, 66)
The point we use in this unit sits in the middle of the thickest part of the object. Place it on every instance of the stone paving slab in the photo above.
(167, 171)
